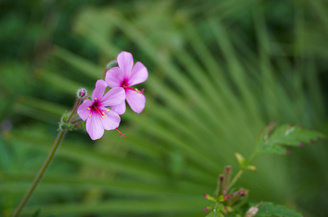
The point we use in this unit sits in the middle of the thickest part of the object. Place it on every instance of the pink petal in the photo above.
(99, 91)
(125, 62)
(111, 121)
(138, 75)
(119, 109)
(114, 77)
(94, 126)
(114, 96)
(83, 111)
(136, 100)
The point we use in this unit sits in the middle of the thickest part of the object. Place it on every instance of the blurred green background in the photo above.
(219, 71)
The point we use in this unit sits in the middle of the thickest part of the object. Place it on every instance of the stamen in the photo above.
(103, 115)
(89, 115)
(122, 135)
(97, 110)
(88, 109)
(134, 89)
(95, 98)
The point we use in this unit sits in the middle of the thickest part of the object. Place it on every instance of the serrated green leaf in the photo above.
(268, 209)
(284, 135)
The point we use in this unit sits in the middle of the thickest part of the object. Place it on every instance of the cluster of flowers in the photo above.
(102, 111)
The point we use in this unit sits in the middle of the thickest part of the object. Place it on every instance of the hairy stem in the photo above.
(47, 162)
(77, 103)
(43, 169)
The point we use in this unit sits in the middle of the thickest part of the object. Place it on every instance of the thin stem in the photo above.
(47, 162)
(235, 179)
(241, 171)
(76, 121)
(37, 179)
(77, 103)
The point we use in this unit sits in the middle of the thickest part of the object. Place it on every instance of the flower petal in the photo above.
(114, 96)
(83, 111)
(119, 109)
(138, 75)
(136, 100)
(94, 126)
(111, 121)
(125, 62)
(99, 91)
(114, 77)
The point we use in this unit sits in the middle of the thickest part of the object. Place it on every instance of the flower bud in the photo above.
(64, 118)
(66, 126)
(111, 64)
(207, 209)
(82, 92)
(226, 180)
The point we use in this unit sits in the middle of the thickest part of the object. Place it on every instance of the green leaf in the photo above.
(284, 135)
(268, 209)
(218, 210)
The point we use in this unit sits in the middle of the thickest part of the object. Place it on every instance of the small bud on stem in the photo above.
(226, 180)
(81, 93)
(219, 187)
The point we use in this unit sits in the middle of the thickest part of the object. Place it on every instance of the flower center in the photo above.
(124, 84)
(95, 108)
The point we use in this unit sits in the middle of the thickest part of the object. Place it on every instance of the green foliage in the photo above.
(285, 135)
(266, 144)
(268, 209)
(219, 72)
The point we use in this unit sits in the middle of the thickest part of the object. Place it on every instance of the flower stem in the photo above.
(47, 162)
(43, 169)
(235, 179)
(77, 103)
(241, 171)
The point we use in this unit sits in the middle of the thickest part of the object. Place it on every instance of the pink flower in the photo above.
(127, 75)
(96, 113)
